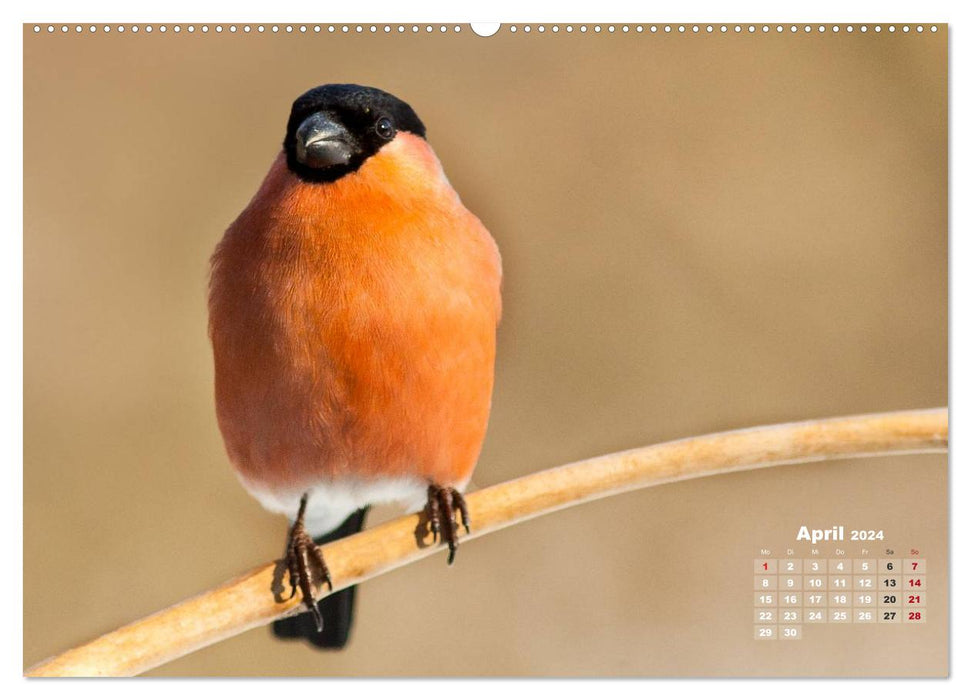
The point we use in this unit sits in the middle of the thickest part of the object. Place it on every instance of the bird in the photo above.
(353, 312)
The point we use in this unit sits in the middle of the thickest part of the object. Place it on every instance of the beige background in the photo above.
(699, 233)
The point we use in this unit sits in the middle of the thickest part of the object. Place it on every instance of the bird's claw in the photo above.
(306, 565)
(443, 501)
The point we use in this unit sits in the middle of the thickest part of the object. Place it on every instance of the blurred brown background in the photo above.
(700, 232)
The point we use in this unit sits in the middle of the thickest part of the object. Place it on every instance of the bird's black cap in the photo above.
(333, 129)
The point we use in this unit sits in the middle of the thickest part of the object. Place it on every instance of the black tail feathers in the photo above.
(337, 609)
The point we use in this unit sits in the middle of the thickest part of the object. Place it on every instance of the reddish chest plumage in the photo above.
(353, 327)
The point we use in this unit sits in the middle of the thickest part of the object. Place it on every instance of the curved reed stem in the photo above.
(248, 601)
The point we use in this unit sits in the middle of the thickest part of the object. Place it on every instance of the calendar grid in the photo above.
(792, 592)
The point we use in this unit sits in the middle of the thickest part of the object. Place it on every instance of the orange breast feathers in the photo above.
(353, 327)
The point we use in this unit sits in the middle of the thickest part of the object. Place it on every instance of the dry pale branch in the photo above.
(247, 601)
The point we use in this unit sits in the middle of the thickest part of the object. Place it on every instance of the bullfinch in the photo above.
(353, 307)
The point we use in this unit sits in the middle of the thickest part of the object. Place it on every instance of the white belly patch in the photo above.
(329, 504)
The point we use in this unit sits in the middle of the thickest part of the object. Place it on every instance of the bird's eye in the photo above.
(384, 128)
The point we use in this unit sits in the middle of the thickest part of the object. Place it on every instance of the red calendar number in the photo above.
(765, 565)
(915, 582)
(913, 616)
(913, 566)
(913, 599)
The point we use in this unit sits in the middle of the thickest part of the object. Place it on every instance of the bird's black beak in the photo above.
(321, 142)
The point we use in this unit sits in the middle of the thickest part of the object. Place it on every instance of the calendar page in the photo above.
(518, 246)
(840, 577)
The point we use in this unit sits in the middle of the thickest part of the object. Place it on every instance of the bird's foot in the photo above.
(306, 565)
(443, 501)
